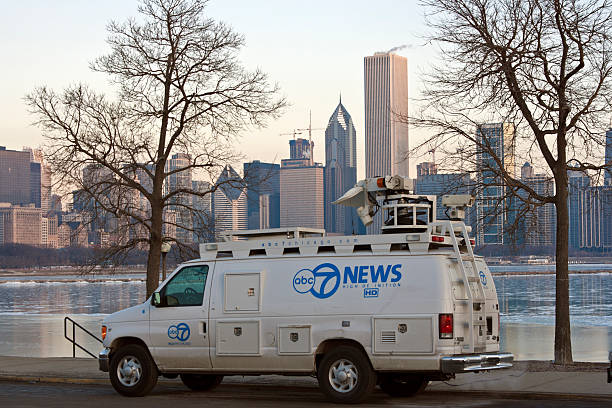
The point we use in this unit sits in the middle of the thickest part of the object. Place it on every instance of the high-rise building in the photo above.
(608, 158)
(386, 97)
(440, 184)
(540, 222)
(16, 178)
(386, 137)
(41, 186)
(180, 178)
(494, 210)
(578, 183)
(230, 206)
(301, 194)
(426, 169)
(35, 183)
(263, 192)
(301, 149)
(340, 172)
(20, 225)
(203, 224)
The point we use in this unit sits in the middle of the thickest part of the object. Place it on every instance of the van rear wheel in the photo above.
(201, 382)
(132, 371)
(403, 385)
(345, 375)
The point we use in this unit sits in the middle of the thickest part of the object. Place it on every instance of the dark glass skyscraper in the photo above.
(16, 182)
(263, 194)
(340, 172)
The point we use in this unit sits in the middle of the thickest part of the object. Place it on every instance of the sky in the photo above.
(314, 50)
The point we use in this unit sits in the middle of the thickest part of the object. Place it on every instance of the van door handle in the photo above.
(204, 327)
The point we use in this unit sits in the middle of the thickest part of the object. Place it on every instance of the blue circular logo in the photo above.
(322, 282)
(303, 281)
(483, 278)
(181, 332)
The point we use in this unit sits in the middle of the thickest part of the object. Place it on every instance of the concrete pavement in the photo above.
(533, 378)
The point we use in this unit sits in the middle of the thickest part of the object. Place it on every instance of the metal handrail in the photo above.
(73, 339)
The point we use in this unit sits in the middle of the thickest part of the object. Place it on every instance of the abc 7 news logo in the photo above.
(322, 281)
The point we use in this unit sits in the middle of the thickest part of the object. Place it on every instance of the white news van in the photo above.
(397, 309)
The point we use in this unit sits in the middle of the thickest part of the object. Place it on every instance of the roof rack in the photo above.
(287, 233)
(279, 242)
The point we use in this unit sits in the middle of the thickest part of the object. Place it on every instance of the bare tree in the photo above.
(542, 66)
(182, 98)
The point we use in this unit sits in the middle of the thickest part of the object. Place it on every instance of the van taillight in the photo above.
(446, 325)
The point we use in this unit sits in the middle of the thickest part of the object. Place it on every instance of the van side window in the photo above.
(186, 287)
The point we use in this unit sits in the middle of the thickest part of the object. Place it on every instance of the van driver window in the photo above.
(186, 287)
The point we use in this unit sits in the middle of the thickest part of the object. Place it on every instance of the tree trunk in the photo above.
(563, 339)
(154, 250)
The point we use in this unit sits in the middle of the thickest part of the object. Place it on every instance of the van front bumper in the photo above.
(103, 360)
(475, 362)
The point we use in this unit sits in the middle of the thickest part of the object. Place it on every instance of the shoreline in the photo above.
(110, 275)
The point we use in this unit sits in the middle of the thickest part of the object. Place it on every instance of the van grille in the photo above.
(387, 337)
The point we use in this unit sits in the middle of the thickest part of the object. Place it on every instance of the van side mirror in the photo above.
(156, 299)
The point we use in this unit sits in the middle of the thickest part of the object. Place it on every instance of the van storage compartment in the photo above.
(242, 292)
(238, 338)
(294, 340)
(403, 335)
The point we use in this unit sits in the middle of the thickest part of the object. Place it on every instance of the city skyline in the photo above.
(267, 28)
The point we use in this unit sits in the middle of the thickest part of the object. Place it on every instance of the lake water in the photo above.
(32, 311)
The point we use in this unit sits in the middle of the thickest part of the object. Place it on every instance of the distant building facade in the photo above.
(426, 169)
(203, 225)
(263, 193)
(608, 158)
(230, 206)
(590, 214)
(181, 202)
(540, 222)
(493, 208)
(18, 178)
(301, 149)
(20, 225)
(386, 138)
(340, 172)
(440, 184)
(301, 194)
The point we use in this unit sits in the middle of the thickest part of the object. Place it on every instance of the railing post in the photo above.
(73, 340)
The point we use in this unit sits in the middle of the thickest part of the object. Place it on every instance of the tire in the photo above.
(201, 382)
(403, 385)
(132, 372)
(345, 375)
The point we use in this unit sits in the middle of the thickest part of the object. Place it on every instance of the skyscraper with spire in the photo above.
(340, 172)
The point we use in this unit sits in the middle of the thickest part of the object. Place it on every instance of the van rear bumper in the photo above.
(475, 362)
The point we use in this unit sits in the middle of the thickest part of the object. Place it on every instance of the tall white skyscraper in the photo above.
(386, 138)
(230, 204)
(386, 97)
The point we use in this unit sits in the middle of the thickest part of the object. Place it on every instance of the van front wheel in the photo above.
(132, 371)
(345, 375)
(201, 382)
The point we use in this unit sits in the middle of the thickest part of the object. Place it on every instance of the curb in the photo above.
(525, 395)
(56, 380)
